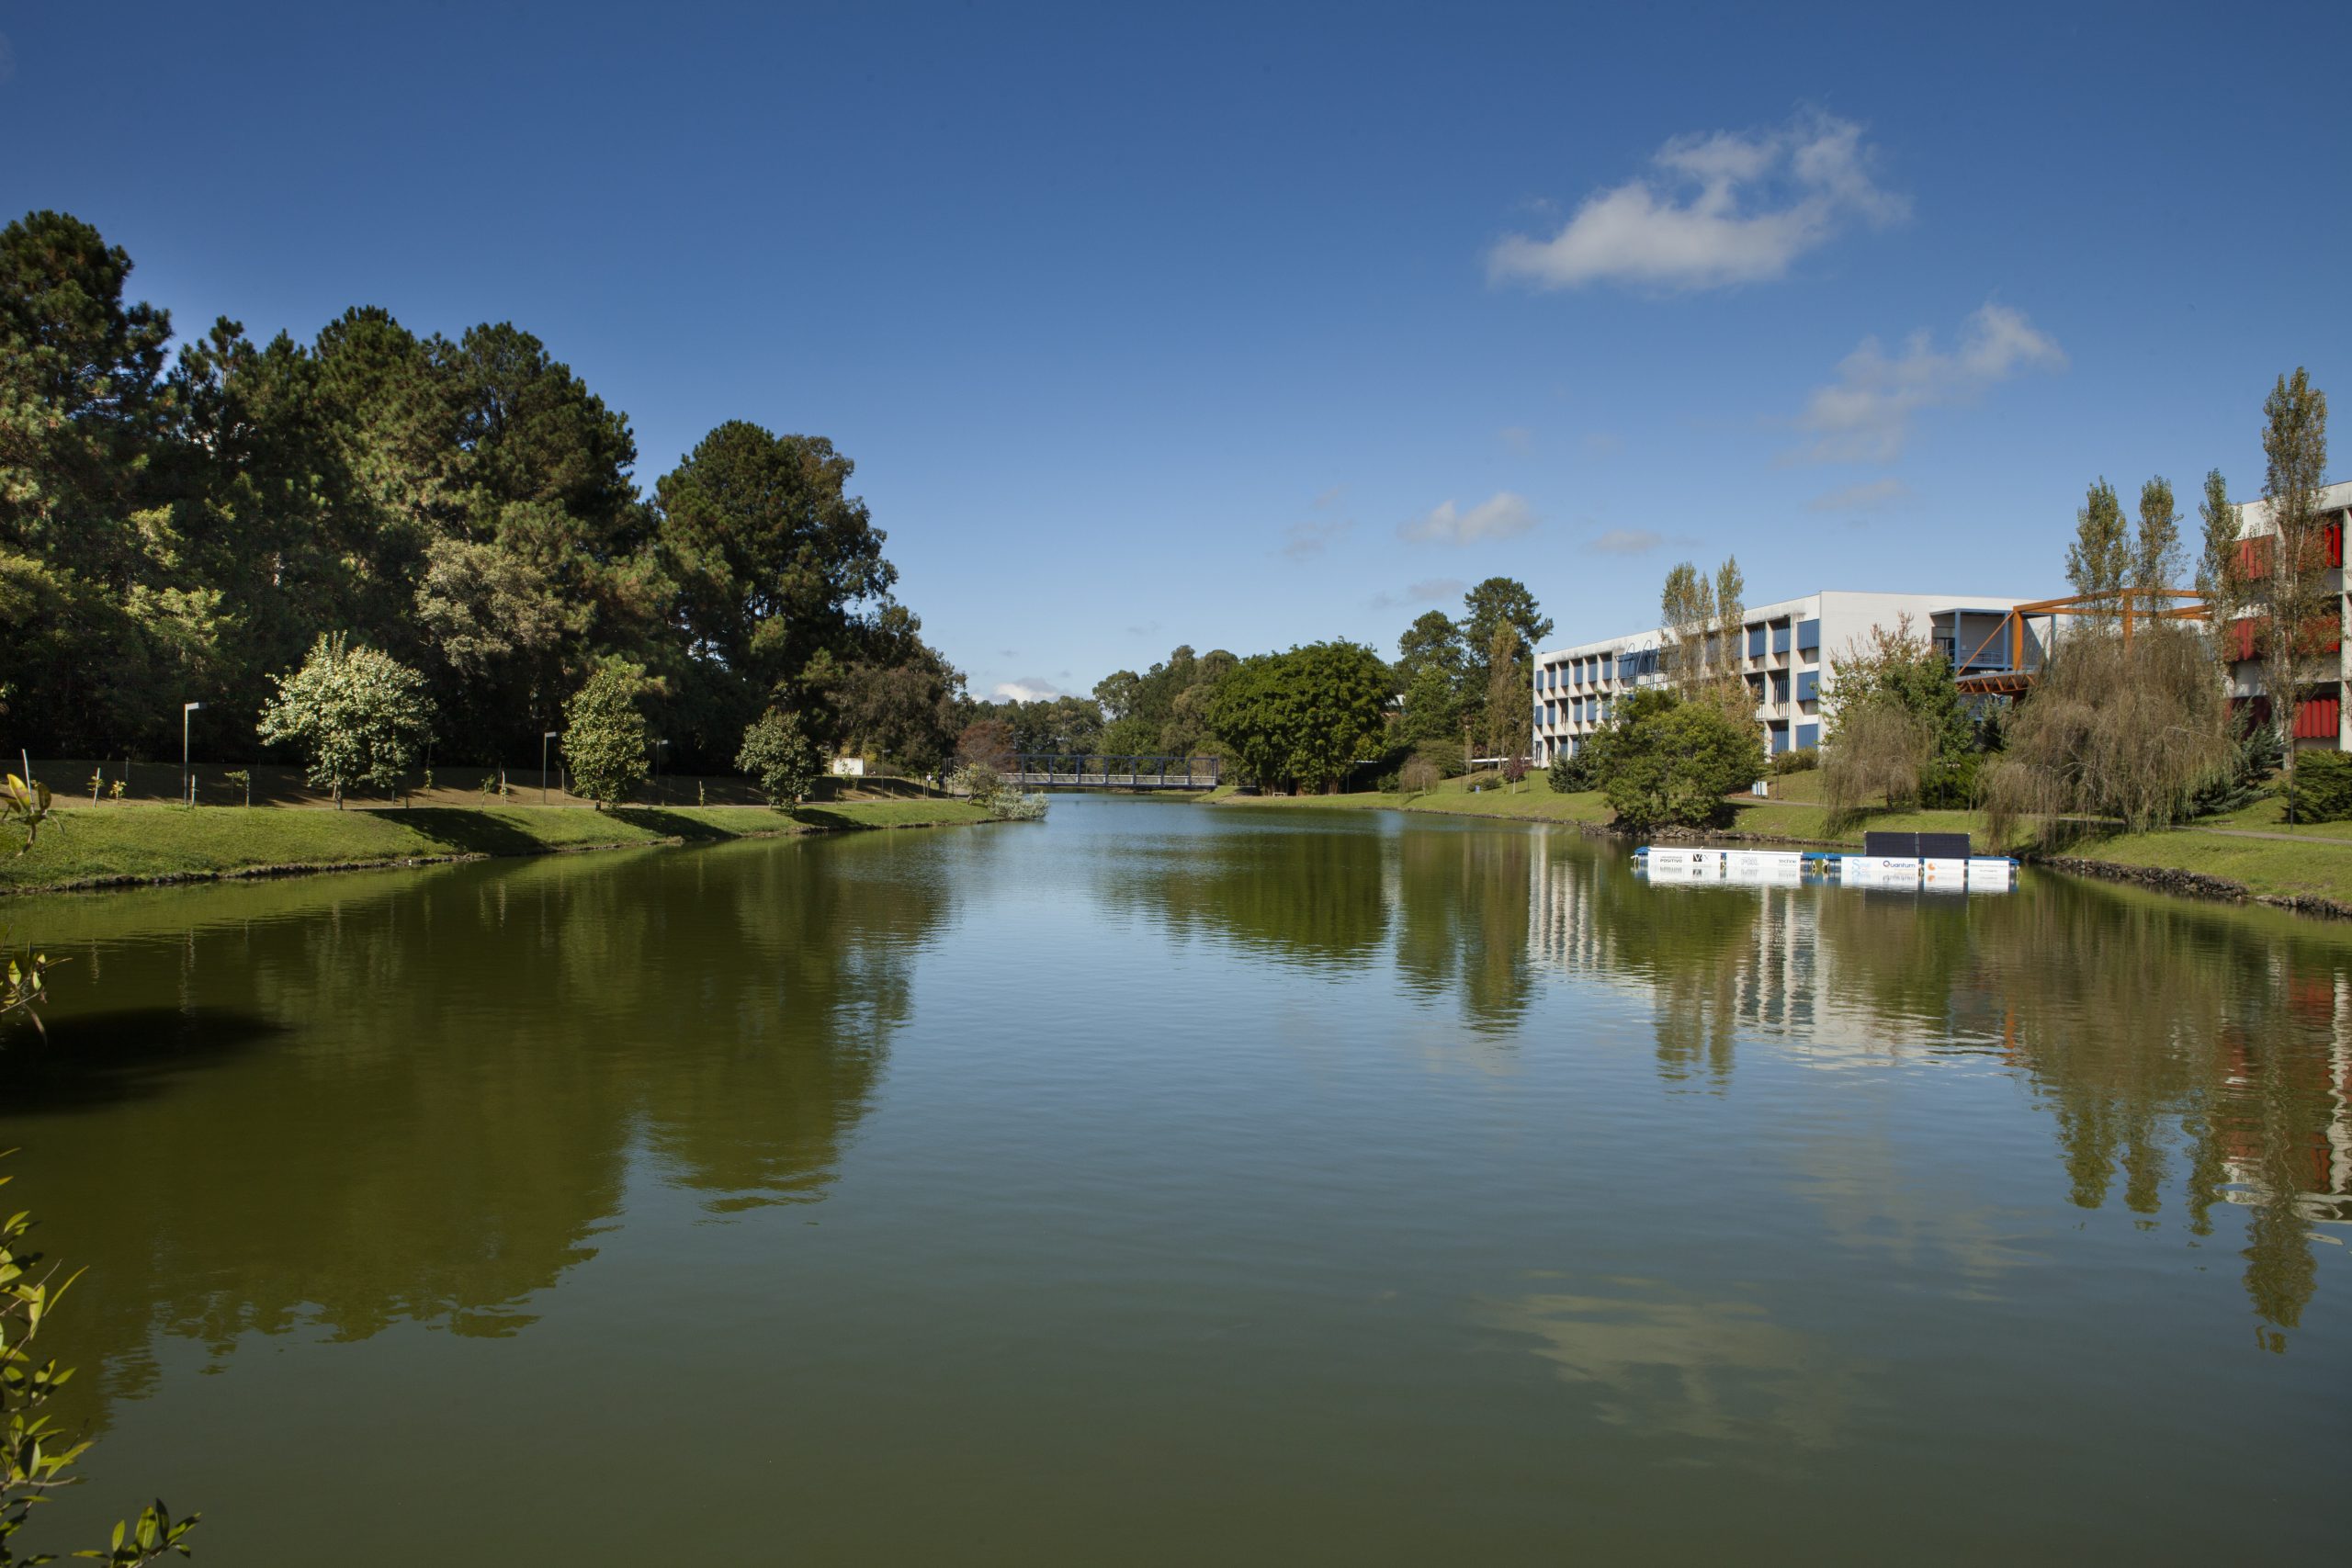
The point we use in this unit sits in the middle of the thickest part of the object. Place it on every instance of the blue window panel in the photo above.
(1808, 735)
(1808, 686)
(1809, 633)
(1780, 737)
(1755, 642)
(1779, 688)
(1780, 639)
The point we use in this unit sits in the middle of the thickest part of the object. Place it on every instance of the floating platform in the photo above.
(1791, 868)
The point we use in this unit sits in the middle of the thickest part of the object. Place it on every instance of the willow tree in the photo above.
(2124, 731)
(2299, 619)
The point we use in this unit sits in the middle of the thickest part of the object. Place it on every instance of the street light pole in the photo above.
(659, 747)
(187, 779)
(545, 736)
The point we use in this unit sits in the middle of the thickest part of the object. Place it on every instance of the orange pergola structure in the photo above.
(2132, 605)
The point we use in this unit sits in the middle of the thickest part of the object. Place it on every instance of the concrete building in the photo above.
(1783, 651)
(2326, 719)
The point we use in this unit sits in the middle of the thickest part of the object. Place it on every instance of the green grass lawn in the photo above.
(85, 846)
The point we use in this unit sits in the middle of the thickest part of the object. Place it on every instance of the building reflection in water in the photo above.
(2186, 1054)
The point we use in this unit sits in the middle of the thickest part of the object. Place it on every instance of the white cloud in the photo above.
(1517, 437)
(1329, 498)
(1500, 516)
(1865, 416)
(1028, 689)
(1872, 495)
(1311, 536)
(1430, 591)
(1733, 206)
(1625, 542)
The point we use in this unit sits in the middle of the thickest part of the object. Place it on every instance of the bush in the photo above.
(986, 790)
(1418, 775)
(1800, 760)
(2323, 786)
(780, 758)
(1571, 774)
(604, 736)
(2255, 756)
(1514, 769)
(1949, 784)
(357, 717)
(1665, 760)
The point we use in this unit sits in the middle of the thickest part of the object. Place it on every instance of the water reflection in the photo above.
(1664, 1363)
(457, 1072)
(2187, 1056)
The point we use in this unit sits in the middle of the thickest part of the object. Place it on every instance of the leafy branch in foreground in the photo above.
(24, 806)
(35, 1456)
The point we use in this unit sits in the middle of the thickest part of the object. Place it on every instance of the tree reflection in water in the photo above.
(2168, 1041)
(459, 1072)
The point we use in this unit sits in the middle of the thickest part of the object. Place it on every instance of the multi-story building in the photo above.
(1782, 649)
(2325, 720)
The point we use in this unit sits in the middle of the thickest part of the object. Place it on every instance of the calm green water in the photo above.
(1163, 1184)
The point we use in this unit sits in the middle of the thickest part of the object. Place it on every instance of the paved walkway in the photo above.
(2328, 839)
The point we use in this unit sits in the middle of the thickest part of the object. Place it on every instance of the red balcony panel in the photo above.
(2254, 557)
(2241, 638)
(2317, 719)
(2332, 540)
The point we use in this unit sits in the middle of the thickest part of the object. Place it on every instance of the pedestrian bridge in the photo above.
(1038, 770)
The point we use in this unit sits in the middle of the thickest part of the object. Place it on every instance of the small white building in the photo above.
(849, 767)
(1783, 651)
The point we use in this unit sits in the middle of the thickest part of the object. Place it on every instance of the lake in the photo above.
(1172, 1184)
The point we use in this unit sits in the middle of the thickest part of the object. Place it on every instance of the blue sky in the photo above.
(1247, 326)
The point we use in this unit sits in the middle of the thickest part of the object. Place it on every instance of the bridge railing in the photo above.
(1067, 770)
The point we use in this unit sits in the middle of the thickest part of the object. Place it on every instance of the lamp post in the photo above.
(659, 747)
(545, 736)
(187, 779)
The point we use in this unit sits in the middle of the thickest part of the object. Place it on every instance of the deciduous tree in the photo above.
(779, 757)
(356, 716)
(2300, 621)
(605, 739)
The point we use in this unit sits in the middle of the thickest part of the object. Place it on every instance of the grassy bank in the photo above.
(2314, 862)
(112, 845)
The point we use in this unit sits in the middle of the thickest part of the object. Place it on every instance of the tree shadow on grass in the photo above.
(672, 824)
(466, 832)
(820, 817)
(100, 1058)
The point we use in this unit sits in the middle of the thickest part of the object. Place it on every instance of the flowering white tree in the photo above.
(357, 716)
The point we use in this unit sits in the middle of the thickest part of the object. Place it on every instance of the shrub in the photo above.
(2323, 786)
(2255, 756)
(1665, 761)
(1514, 769)
(357, 717)
(1418, 775)
(1799, 760)
(604, 736)
(780, 757)
(993, 795)
(1571, 773)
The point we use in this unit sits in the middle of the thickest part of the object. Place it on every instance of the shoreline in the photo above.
(383, 839)
(2176, 881)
